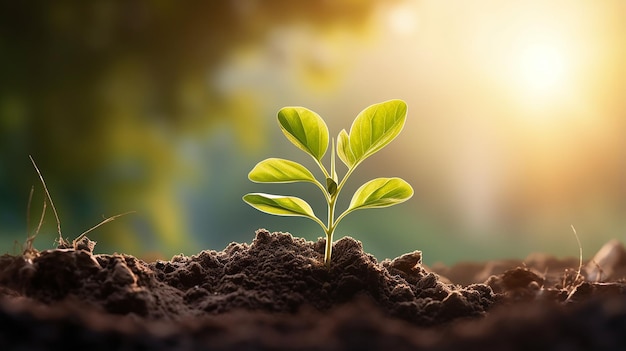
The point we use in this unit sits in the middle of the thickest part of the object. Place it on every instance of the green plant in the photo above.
(375, 127)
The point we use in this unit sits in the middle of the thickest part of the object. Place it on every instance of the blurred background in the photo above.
(516, 125)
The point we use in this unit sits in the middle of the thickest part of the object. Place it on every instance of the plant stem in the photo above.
(331, 215)
(329, 249)
(331, 228)
(332, 200)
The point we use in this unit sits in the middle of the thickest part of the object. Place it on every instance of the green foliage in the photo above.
(280, 205)
(305, 129)
(374, 128)
(380, 192)
(278, 170)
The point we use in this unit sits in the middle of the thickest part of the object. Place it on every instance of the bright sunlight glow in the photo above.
(402, 19)
(542, 69)
(542, 66)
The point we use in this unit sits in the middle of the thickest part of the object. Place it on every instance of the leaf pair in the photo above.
(377, 193)
(374, 128)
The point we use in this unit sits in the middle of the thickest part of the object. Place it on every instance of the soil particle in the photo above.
(518, 283)
(276, 294)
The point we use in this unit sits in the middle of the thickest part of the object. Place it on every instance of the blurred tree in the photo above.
(97, 92)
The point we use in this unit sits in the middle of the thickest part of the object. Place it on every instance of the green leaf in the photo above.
(331, 186)
(305, 129)
(280, 205)
(343, 149)
(380, 192)
(278, 170)
(375, 127)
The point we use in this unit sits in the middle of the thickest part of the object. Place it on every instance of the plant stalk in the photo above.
(331, 229)
(332, 200)
(329, 249)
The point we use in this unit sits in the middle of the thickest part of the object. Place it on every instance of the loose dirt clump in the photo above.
(276, 294)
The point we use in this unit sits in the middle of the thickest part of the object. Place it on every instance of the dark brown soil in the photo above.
(275, 294)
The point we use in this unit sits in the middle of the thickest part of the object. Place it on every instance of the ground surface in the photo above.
(274, 294)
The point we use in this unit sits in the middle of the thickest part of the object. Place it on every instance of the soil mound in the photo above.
(276, 294)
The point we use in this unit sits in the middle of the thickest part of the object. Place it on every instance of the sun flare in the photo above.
(542, 69)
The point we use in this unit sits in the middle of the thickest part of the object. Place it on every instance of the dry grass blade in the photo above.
(45, 188)
(28, 245)
(107, 220)
(43, 214)
(27, 248)
(580, 253)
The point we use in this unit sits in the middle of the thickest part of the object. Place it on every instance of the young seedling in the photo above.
(374, 128)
